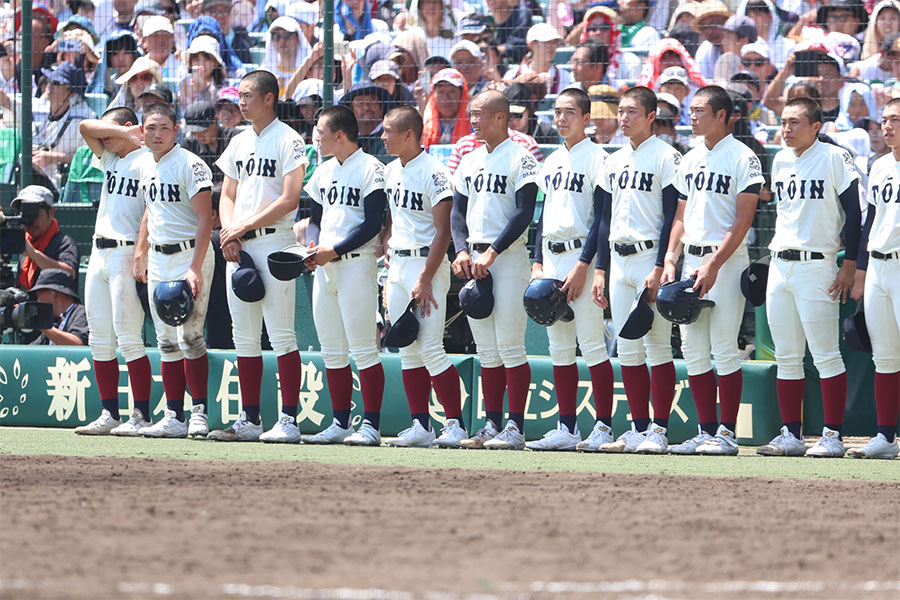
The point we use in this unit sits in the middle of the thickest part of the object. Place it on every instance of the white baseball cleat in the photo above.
(878, 447)
(285, 431)
(828, 446)
(168, 427)
(198, 425)
(556, 439)
(486, 433)
(102, 425)
(413, 437)
(451, 435)
(133, 426)
(627, 442)
(600, 435)
(241, 430)
(655, 440)
(366, 435)
(724, 443)
(333, 434)
(508, 439)
(690, 446)
(783, 444)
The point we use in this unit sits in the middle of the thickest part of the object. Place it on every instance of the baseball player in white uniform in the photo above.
(881, 287)
(264, 167)
(640, 180)
(720, 180)
(420, 197)
(817, 189)
(347, 213)
(494, 201)
(564, 249)
(176, 186)
(114, 312)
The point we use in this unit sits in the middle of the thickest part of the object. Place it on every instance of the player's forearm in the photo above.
(526, 200)
(734, 238)
(677, 231)
(314, 227)
(142, 246)
(853, 221)
(373, 207)
(226, 201)
(862, 259)
(603, 220)
(458, 227)
(670, 208)
(97, 128)
(436, 254)
(201, 241)
(273, 213)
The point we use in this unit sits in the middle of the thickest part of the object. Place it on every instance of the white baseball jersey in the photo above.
(636, 178)
(884, 194)
(810, 216)
(568, 179)
(259, 163)
(121, 208)
(167, 187)
(490, 180)
(712, 180)
(341, 190)
(412, 193)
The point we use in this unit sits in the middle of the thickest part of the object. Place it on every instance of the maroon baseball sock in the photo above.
(602, 382)
(174, 384)
(565, 378)
(446, 386)
(662, 383)
(834, 400)
(790, 403)
(887, 403)
(417, 383)
(250, 372)
(196, 372)
(518, 380)
(493, 386)
(141, 378)
(371, 383)
(340, 387)
(107, 374)
(703, 388)
(289, 367)
(637, 389)
(730, 387)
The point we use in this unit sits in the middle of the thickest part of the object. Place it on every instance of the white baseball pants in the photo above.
(500, 338)
(882, 298)
(428, 349)
(114, 311)
(626, 278)
(184, 341)
(344, 303)
(277, 306)
(587, 327)
(716, 331)
(799, 310)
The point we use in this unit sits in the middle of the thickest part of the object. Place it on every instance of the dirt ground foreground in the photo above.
(155, 528)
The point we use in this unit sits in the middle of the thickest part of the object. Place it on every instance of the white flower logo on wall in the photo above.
(8, 397)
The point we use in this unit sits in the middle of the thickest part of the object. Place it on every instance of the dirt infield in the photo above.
(102, 528)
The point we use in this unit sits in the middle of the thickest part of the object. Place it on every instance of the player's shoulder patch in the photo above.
(529, 164)
(298, 148)
(378, 168)
(676, 158)
(755, 166)
(440, 181)
(199, 171)
(848, 160)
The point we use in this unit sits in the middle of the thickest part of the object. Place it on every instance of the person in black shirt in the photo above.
(56, 287)
(205, 137)
(46, 247)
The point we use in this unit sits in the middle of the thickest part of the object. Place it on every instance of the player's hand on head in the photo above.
(573, 284)
(859, 285)
(462, 265)
(598, 287)
(135, 135)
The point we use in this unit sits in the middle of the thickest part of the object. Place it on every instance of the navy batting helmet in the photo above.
(404, 330)
(754, 280)
(678, 302)
(476, 298)
(173, 301)
(855, 332)
(545, 302)
(640, 320)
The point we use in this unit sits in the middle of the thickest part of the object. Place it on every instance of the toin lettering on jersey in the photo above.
(163, 192)
(405, 199)
(566, 180)
(802, 189)
(496, 184)
(632, 180)
(886, 192)
(346, 196)
(123, 186)
(260, 167)
(713, 182)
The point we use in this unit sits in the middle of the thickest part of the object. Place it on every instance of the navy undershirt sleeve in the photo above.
(373, 208)
(315, 223)
(670, 207)
(526, 200)
(862, 257)
(852, 226)
(590, 245)
(603, 232)
(539, 241)
(458, 228)
(753, 189)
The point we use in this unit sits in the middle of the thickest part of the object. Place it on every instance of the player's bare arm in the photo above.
(422, 290)
(705, 276)
(673, 252)
(285, 204)
(842, 286)
(384, 239)
(95, 130)
(141, 248)
(232, 250)
(202, 205)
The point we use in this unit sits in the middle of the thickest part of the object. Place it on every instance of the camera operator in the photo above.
(46, 247)
(56, 287)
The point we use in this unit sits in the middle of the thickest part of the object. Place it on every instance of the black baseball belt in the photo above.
(798, 255)
(174, 248)
(106, 243)
(479, 247)
(341, 257)
(629, 249)
(882, 256)
(255, 233)
(418, 252)
(560, 247)
(700, 250)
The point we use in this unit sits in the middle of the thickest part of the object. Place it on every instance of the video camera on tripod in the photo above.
(16, 311)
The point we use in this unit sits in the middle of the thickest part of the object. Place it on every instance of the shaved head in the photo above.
(406, 118)
(494, 101)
